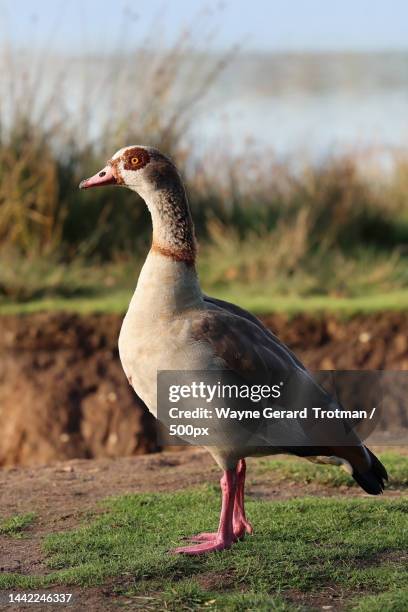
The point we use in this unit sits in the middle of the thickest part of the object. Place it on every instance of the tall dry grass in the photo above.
(59, 120)
(331, 228)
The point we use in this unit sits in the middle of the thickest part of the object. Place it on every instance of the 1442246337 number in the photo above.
(39, 597)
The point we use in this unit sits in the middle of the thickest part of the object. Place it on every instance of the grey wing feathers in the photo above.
(241, 312)
(247, 348)
(245, 344)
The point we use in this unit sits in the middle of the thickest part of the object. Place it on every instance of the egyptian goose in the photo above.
(172, 322)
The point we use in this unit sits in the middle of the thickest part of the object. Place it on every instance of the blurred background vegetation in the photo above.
(336, 225)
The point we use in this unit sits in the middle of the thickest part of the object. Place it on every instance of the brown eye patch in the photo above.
(135, 158)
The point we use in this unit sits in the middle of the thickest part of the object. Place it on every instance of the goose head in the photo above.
(142, 169)
(155, 178)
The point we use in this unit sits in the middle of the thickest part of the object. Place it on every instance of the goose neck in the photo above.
(173, 229)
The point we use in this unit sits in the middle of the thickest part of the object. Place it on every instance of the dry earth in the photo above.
(63, 394)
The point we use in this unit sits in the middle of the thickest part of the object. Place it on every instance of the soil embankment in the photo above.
(63, 394)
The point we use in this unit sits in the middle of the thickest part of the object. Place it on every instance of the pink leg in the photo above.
(240, 523)
(224, 537)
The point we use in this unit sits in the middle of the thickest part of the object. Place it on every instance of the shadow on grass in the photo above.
(303, 472)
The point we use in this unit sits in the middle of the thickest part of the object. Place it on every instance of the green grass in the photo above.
(393, 601)
(306, 546)
(264, 302)
(304, 472)
(115, 302)
(15, 525)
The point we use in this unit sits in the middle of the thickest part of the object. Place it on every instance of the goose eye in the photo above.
(134, 161)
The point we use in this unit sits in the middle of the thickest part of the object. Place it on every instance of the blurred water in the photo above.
(312, 104)
(311, 124)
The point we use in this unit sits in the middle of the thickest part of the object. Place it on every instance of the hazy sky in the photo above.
(257, 24)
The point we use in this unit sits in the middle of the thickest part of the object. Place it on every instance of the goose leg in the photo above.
(224, 537)
(240, 523)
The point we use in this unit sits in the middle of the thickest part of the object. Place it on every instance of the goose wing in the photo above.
(244, 344)
(248, 316)
(241, 344)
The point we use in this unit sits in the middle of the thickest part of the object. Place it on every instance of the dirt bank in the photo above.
(63, 394)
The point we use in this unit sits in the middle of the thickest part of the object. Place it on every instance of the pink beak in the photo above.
(104, 177)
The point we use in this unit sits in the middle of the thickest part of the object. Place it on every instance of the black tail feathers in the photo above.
(372, 481)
